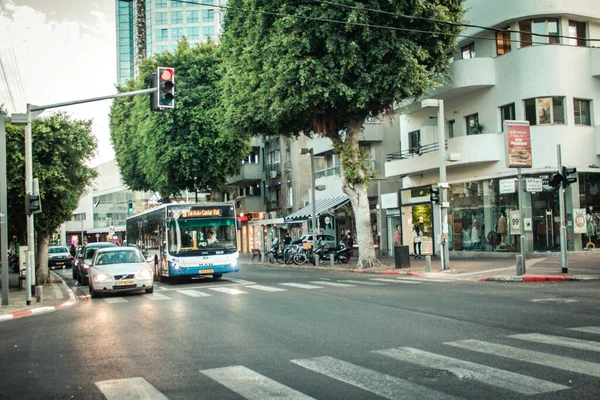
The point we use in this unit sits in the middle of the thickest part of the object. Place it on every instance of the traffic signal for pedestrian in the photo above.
(555, 180)
(166, 87)
(130, 206)
(567, 180)
(434, 195)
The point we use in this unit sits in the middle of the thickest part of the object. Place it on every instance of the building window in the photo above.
(208, 32)
(161, 18)
(162, 35)
(502, 42)
(507, 113)
(577, 36)
(162, 49)
(581, 109)
(208, 15)
(192, 17)
(539, 31)
(176, 17)
(193, 33)
(161, 3)
(414, 141)
(473, 127)
(177, 34)
(468, 51)
(451, 129)
(545, 110)
(176, 4)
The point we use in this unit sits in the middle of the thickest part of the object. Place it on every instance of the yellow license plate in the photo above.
(60, 263)
(124, 283)
(207, 271)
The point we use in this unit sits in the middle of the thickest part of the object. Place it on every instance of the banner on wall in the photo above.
(518, 144)
(580, 224)
(515, 222)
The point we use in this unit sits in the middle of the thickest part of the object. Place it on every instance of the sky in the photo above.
(53, 51)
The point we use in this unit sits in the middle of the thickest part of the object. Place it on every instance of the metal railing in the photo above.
(415, 151)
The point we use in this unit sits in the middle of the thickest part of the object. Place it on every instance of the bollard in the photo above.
(427, 263)
(519, 265)
(331, 260)
(39, 293)
(316, 260)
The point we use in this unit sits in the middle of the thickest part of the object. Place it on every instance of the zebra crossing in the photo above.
(250, 384)
(246, 287)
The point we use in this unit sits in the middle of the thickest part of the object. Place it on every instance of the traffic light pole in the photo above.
(563, 226)
(3, 212)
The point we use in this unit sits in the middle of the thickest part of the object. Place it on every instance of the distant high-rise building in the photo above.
(148, 27)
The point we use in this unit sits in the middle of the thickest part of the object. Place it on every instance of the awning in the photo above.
(322, 206)
(272, 221)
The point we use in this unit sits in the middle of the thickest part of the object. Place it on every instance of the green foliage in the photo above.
(164, 151)
(61, 147)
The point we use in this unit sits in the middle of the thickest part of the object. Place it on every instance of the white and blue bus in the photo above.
(187, 239)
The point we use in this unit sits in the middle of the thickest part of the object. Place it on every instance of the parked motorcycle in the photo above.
(342, 254)
(274, 250)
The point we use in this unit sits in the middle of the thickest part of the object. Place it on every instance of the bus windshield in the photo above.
(201, 234)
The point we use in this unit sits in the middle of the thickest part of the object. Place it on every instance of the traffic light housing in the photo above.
(567, 180)
(165, 96)
(556, 179)
(33, 204)
(130, 206)
(434, 195)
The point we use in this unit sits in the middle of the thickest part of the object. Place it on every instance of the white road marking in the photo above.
(415, 278)
(193, 293)
(301, 285)
(252, 385)
(228, 290)
(131, 388)
(535, 357)
(387, 280)
(241, 281)
(157, 296)
(560, 341)
(362, 282)
(482, 373)
(381, 384)
(113, 300)
(587, 329)
(265, 288)
(336, 284)
(57, 292)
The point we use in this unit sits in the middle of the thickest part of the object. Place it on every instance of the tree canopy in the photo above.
(322, 67)
(165, 151)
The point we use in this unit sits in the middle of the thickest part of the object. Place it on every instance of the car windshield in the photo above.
(119, 257)
(54, 250)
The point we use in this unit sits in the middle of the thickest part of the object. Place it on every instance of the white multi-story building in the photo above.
(541, 66)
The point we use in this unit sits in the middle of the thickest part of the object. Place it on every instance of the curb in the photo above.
(44, 309)
(536, 278)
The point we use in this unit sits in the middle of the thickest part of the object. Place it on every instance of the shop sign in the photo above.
(534, 185)
(507, 185)
(580, 225)
(389, 200)
(518, 144)
(515, 222)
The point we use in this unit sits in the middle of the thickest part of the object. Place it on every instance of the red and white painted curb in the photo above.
(535, 278)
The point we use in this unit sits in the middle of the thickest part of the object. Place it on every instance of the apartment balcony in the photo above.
(372, 132)
(249, 204)
(273, 170)
(595, 61)
(468, 76)
(473, 149)
(248, 173)
(272, 205)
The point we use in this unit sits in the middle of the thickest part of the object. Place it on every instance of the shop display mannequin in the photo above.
(502, 230)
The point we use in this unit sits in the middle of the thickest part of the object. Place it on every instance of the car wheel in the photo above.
(93, 293)
(150, 290)
(217, 276)
(85, 281)
(74, 274)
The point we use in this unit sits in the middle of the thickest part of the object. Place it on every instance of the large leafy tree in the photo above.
(170, 151)
(62, 147)
(321, 68)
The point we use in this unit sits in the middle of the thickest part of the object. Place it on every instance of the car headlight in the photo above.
(102, 278)
(86, 266)
(144, 274)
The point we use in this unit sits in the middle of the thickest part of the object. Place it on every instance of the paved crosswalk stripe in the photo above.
(482, 373)
(252, 385)
(560, 341)
(588, 329)
(131, 388)
(301, 286)
(157, 296)
(336, 284)
(535, 357)
(362, 282)
(265, 288)
(392, 280)
(193, 293)
(413, 278)
(113, 300)
(381, 384)
(228, 290)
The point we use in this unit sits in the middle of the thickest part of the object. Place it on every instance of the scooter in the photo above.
(274, 250)
(342, 254)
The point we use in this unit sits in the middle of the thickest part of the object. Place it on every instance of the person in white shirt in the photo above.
(210, 237)
(417, 239)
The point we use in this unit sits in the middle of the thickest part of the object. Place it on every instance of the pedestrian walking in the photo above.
(417, 239)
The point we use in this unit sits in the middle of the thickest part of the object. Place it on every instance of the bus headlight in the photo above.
(234, 260)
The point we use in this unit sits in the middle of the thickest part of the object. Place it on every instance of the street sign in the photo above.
(507, 185)
(534, 185)
(515, 222)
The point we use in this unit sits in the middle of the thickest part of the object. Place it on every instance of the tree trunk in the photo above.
(353, 180)
(43, 277)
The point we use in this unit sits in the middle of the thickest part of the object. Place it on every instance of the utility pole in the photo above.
(563, 226)
(3, 211)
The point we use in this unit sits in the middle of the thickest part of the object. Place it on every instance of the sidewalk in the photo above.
(584, 265)
(55, 296)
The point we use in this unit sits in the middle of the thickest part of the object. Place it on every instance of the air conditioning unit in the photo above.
(305, 203)
(273, 174)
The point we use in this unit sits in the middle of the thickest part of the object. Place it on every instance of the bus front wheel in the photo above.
(217, 276)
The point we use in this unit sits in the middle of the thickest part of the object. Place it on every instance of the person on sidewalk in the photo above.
(398, 236)
(349, 242)
(417, 239)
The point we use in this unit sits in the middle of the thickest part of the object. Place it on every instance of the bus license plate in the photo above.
(125, 283)
(207, 271)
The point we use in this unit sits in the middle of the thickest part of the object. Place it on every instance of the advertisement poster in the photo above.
(580, 224)
(515, 222)
(518, 149)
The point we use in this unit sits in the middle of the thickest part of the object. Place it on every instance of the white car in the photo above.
(120, 269)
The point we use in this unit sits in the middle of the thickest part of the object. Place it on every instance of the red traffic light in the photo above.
(166, 74)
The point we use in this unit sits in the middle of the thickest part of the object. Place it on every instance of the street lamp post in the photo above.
(312, 187)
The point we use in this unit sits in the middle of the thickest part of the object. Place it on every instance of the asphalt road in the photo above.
(287, 334)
